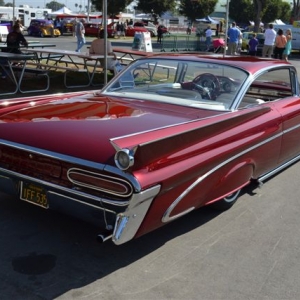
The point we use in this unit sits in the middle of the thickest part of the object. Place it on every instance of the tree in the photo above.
(2, 3)
(285, 13)
(80, 7)
(296, 10)
(197, 9)
(9, 4)
(114, 7)
(76, 5)
(156, 7)
(265, 11)
(277, 9)
(54, 5)
(241, 16)
(268, 10)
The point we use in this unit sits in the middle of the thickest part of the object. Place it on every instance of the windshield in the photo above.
(187, 83)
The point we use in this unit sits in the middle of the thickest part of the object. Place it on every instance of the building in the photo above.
(24, 13)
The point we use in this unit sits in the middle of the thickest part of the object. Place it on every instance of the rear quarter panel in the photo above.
(231, 152)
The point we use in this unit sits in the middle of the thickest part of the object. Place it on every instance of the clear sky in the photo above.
(42, 3)
(70, 4)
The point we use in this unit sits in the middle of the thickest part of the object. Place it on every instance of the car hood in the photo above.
(84, 125)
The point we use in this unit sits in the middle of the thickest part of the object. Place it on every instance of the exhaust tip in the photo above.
(101, 238)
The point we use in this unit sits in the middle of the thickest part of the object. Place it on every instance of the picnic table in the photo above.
(129, 55)
(31, 45)
(73, 62)
(15, 66)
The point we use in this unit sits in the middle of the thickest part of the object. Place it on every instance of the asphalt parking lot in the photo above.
(250, 252)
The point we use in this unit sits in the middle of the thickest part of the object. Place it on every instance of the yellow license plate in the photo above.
(34, 194)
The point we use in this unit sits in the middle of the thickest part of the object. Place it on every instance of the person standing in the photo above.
(234, 34)
(118, 28)
(74, 23)
(280, 42)
(58, 24)
(270, 36)
(208, 35)
(188, 30)
(288, 45)
(125, 29)
(159, 33)
(79, 32)
(122, 30)
(253, 43)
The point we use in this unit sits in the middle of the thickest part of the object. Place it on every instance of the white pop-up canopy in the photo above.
(63, 11)
(208, 19)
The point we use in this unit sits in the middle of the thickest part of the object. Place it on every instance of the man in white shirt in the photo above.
(208, 35)
(79, 33)
(270, 35)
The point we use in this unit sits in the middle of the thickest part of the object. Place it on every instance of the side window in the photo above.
(269, 86)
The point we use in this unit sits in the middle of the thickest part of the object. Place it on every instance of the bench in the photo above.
(77, 69)
(67, 70)
(31, 71)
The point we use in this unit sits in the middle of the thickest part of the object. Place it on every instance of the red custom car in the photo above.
(169, 134)
(92, 29)
(130, 31)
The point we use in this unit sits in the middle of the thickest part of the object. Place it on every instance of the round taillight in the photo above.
(124, 159)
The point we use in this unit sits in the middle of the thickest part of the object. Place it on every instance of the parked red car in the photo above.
(131, 30)
(92, 29)
(164, 29)
(169, 134)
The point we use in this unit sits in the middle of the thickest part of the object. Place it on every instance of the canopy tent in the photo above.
(167, 16)
(66, 13)
(278, 22)
(63, 11)
(142, 16)
(252, 23)
(208, 19)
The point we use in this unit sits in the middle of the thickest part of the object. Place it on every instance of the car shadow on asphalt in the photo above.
(41, 246)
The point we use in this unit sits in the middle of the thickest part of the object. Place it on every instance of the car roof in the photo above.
(247, 63)
(251, 32)
(41, 20)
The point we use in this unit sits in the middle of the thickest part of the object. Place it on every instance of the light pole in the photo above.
(14, 18)
(88, 11)
(226, 27)
(104, 21)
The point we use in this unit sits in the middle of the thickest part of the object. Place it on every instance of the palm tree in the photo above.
(76, 5)
(80, 6)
